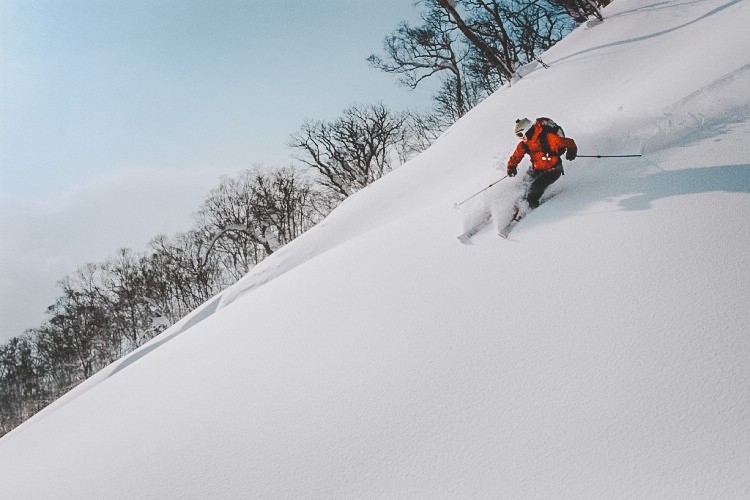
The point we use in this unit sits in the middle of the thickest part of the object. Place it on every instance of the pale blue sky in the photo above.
(118, 116)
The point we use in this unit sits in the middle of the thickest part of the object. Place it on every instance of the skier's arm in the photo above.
(565, 144)
(517, 156)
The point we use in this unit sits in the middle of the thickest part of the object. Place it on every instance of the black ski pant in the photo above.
(539, 180)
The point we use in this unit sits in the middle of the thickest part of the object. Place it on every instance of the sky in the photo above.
(602, 351)
(117, 118)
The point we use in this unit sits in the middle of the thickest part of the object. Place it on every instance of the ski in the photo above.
(521, 209)
(466, 236)
(505, 232)
(518, 216)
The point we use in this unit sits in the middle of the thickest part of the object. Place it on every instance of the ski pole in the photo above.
(456, 205)
(608, 156)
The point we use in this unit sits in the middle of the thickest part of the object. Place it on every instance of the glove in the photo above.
(570, 155)
(512, 171)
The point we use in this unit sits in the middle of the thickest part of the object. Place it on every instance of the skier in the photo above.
(543, 142)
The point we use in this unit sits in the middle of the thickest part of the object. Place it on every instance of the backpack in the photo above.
(548, 126)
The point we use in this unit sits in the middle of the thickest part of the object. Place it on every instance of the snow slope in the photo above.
(601, 352)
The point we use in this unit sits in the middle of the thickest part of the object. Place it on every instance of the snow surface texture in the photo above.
(601, 352)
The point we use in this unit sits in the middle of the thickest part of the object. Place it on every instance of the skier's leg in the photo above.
(538, 185)
(521, 206)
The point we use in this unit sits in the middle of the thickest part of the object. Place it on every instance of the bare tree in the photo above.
(418, 53)
(288, 201)
(125, 290)
(180, 277)
(76, 326)
(480, 43)
(230, 227)
(581, 10)
(421, 129)
(20, 382)
(499, 59)
(507, 33)
(352, 151)
(248, 217)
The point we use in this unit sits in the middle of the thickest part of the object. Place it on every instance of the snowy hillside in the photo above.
(602, 352)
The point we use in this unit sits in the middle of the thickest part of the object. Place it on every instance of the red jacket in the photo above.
(540, 160)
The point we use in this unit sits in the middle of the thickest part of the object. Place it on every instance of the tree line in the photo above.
(106, 310)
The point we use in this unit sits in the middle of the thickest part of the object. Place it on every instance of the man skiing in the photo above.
(544, 142)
